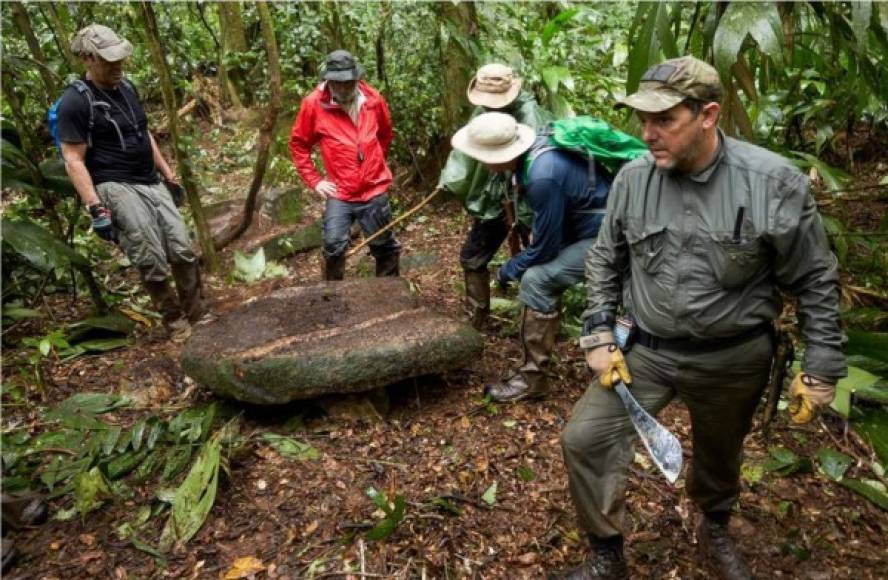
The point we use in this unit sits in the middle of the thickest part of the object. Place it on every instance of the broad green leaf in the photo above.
(291, 448)
(489, 496)
(194, 498)
(873, 426)
(554, 76)
(446, 505)
(870, 344)
(874, 493)
(664, 32)
(103, 344)
(89, 404)
(116, 323)
(833, 178)
(38, 246)
(752, 472)
(556, 25)
(90, 491)
(388, 524)
(833, 463)
(640, 57)
(857, 379)
(16, 313)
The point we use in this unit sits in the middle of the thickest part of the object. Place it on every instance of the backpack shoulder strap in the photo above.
(84, 90)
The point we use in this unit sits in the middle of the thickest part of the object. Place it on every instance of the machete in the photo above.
(662, 445)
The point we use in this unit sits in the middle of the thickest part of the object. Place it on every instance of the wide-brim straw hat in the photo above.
(494, 86)
(493, 138)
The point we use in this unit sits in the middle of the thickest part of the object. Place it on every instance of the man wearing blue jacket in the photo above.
(568, 208)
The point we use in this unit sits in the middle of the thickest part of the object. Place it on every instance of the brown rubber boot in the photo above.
(164, 300)
(190, 289)
(719, 550)
(600, 564)
(23, 510)
(538, 332)
(388, 265)
(334, 268)
(478, 297)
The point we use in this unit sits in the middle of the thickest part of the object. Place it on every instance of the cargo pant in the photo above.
(149, 227)
(542, 285)
(721, 390)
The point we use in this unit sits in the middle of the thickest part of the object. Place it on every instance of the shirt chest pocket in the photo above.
(648, 247)
(736, 263)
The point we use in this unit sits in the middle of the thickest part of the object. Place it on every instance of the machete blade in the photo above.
(663, 447)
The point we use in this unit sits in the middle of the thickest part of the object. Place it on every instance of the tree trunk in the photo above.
(233, 39)
(60, 32)
(458, 65)
(23, 23)
(266, 132)
(211, 261)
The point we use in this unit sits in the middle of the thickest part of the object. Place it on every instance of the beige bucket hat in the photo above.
(667, 84)
(493, 138)
(100, 40)
(495, 86)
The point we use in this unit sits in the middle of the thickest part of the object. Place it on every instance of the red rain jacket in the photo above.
(353, 156)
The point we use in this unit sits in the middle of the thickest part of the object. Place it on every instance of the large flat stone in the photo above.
(339, 337)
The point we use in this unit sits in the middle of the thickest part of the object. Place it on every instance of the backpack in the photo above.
(52, 116)
(591, 139)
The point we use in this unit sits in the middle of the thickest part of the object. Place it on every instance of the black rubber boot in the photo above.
(719, 550)
(334, 268)
(164, 300)
(388, 265)
(605, 561)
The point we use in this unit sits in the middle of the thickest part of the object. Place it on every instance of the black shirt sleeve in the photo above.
(73, 114)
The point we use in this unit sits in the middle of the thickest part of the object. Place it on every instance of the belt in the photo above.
(694, 344)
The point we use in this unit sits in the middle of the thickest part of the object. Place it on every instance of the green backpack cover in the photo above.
(590, 138)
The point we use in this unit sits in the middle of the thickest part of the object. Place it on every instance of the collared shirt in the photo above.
(672, 251)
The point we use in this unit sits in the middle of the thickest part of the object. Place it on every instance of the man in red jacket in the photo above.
(349, 121)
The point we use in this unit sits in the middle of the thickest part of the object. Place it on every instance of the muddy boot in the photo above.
(538, 333)
(719, 550)
(388, 265)
(167, 304)
(605, 561)
(22, 510)
(190, 289)
(334, 268)
(478, 297)
(9, 554)
(164, 300)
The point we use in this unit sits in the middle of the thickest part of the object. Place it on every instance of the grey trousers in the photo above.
(721, 390)
(149, 227)
(543, 285)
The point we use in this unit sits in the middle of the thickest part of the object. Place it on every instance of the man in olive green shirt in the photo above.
(699, 239)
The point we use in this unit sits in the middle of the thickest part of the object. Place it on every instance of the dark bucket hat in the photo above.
(342, 66)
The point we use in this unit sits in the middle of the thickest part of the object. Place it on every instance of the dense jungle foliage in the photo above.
(806, 79)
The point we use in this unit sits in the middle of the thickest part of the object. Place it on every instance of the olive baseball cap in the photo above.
(667, 84)
(342, 66)
(100, 40)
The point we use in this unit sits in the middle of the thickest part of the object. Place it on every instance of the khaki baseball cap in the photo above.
(100, 40)
(667, 84)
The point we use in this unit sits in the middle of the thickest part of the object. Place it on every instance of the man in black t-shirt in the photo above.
(116, 167)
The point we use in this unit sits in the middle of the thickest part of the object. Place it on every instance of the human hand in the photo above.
(501, 281)
(176, 191)
(607, 363)
(807, 395)
(101, 222)
(325, 188)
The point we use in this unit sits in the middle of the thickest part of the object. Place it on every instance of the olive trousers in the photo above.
(721, 389)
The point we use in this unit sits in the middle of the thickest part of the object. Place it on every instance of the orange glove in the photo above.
(807, 395)
(606, 360)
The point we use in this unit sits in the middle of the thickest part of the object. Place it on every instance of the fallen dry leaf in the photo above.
(244, 567)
